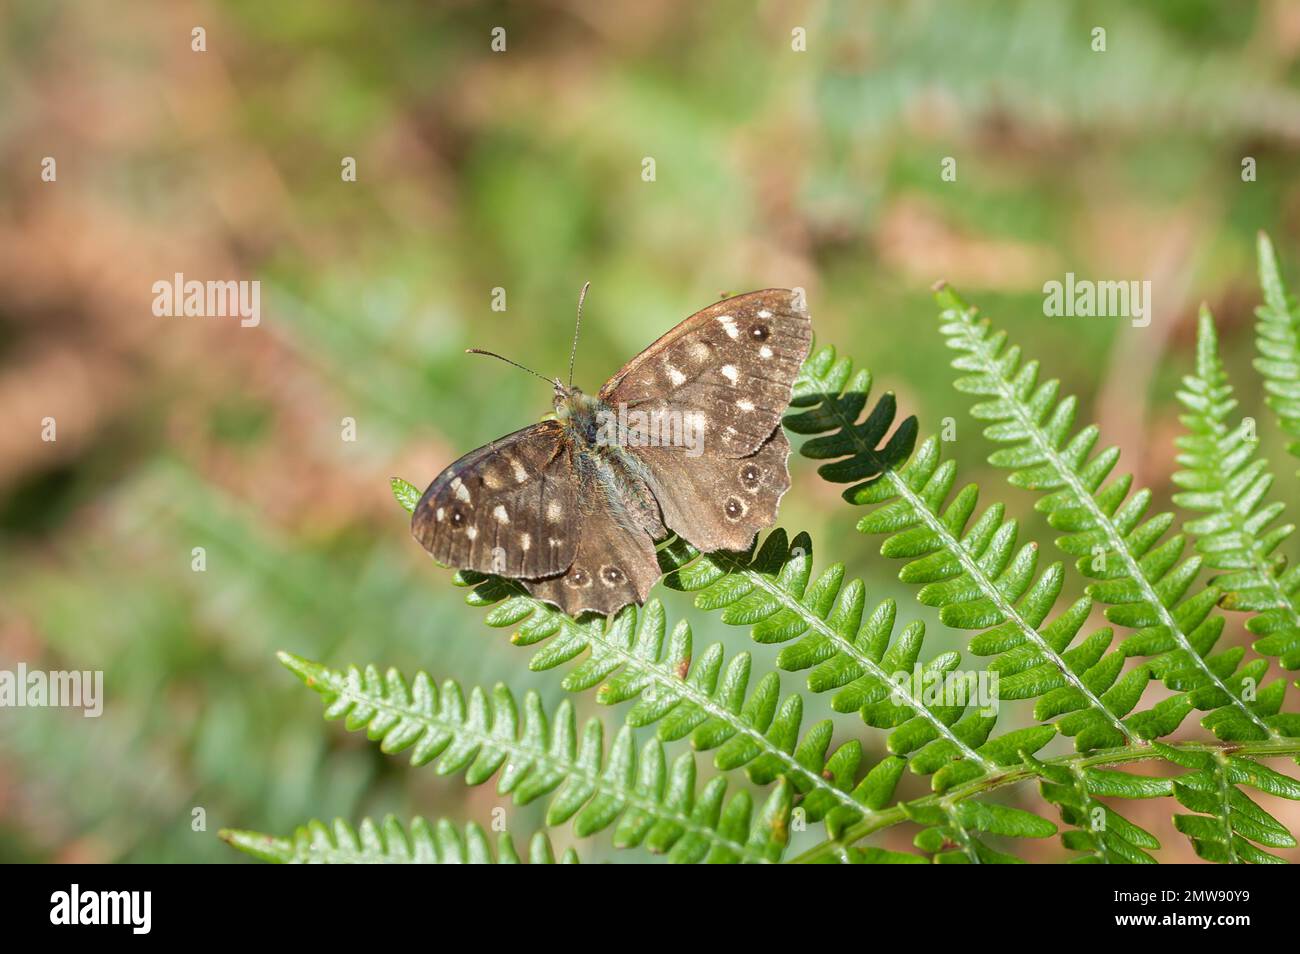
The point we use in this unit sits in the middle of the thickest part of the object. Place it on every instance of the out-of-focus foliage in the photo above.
(522, 170)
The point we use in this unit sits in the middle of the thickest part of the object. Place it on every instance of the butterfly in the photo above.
(685, 439)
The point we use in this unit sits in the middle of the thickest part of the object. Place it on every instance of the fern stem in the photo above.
(1080, 784)
(954, 820)
(1225, 787)
(847, 647)
(979, 346)
(831, 849)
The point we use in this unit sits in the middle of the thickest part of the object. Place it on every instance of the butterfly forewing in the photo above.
(504, 508)
(727, 369)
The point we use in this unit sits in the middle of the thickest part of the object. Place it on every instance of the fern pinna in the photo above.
(1092, 689)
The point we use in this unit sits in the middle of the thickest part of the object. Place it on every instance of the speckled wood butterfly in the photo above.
(685, 438)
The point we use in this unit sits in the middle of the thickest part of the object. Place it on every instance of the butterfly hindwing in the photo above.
(613, 566)
(505, 508)
(719, 503)
(727, 370)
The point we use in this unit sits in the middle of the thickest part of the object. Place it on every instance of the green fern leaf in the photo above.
(1140, 576)
(388, 842)
(1228, 825)
(704, 697)
(1277, 338)
(952, 835)
(1226, 482)
(856, 654)
(1100, 832)
(406, 494)
(972, 568)
(653, 803)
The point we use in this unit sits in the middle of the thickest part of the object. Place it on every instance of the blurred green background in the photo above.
(523, 170)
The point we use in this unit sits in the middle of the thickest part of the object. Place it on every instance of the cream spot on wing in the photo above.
(462, 492)
(675, 376)
(519, 470)
(729, 325)
(745, 405)
(525, 541)
(471, 532)
(554, 511)
(729, 372)
(699, 351)
(491, 480)
(764, 313)
(765, 352)
(500, 513)
(552, 541)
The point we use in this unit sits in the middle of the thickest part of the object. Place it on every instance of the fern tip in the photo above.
(303, 668)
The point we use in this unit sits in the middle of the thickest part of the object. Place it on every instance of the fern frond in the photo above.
(439, 843)
(703, 697)
(1099, 831)
(1277, 338)
(954, 829)
(773, 592)
(1229, 825)
(972, 568)
(1226, 482)
(654, 804)
(1141, 577)
(855, 653)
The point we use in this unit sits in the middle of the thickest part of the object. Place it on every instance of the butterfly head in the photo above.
(571, 404)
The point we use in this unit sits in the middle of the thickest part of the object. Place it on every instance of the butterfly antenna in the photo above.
(573, 352)
(493, 354)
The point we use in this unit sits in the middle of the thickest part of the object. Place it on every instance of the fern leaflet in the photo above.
(1226, 482)
(1143, 582)
(1277, 338)
(974, 572)
(653, 803)
(388, 842)
(1229, 824)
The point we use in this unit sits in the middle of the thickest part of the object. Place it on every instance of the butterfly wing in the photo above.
(614, 565)
(498, 509)
(730, 366)
(719, 503)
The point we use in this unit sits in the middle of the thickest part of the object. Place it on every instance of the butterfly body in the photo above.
(685, 438)
(610, 477)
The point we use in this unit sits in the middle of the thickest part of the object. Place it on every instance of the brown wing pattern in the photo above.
(719, 504)
(730, 367)
(501, 509)
(613, 566)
